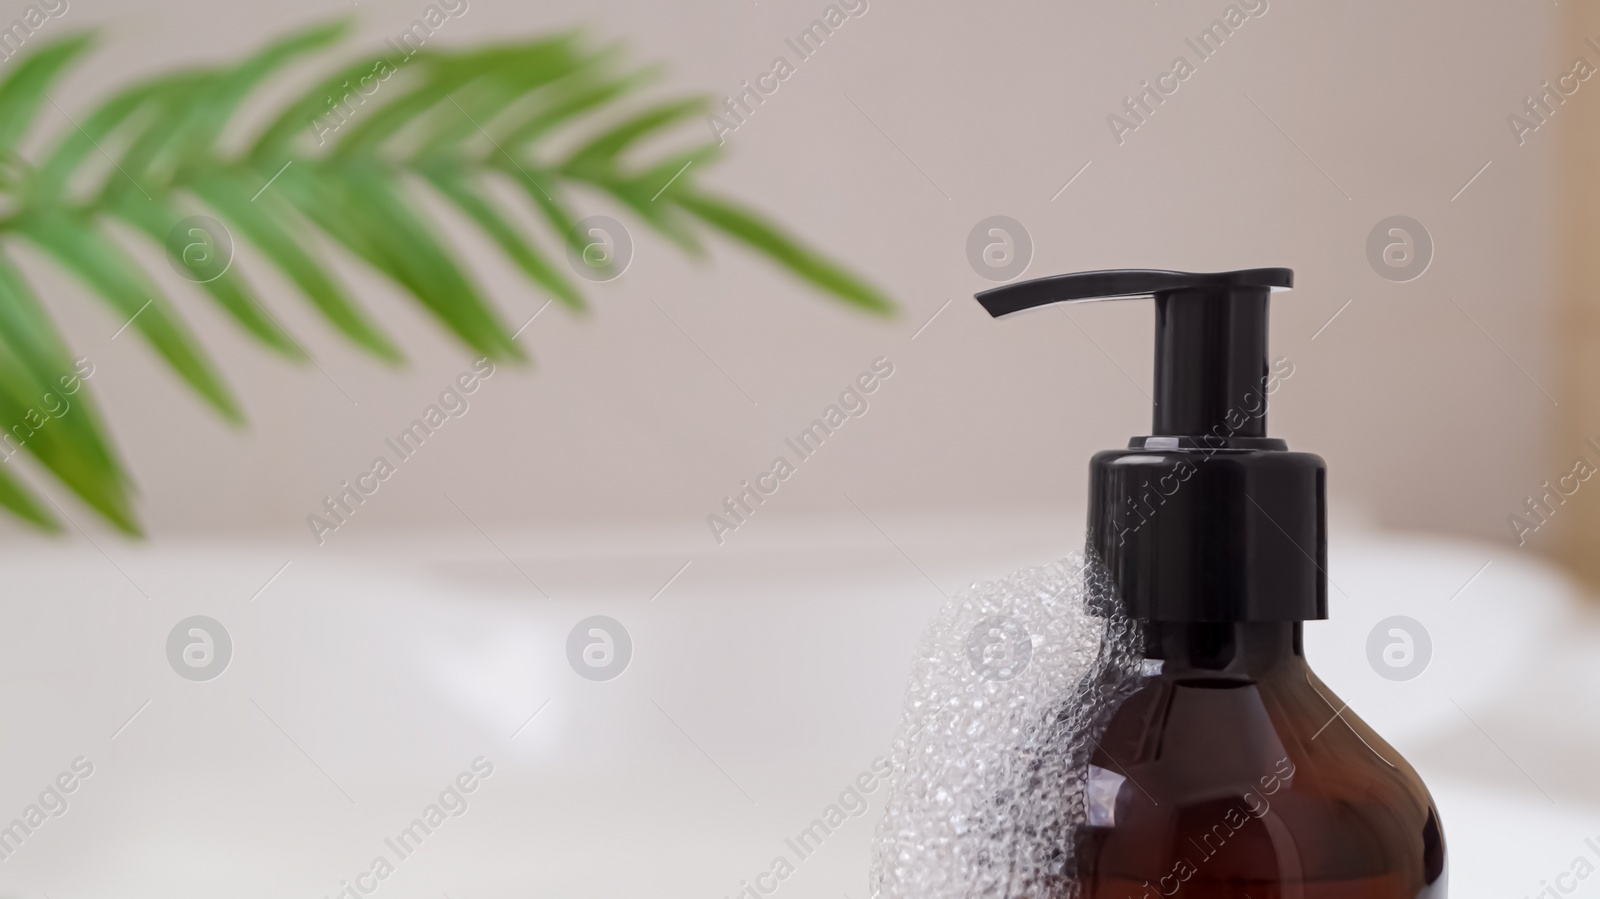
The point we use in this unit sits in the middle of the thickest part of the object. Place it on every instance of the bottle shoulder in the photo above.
(1241, 778)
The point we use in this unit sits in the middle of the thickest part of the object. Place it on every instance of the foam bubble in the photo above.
(1009, 690)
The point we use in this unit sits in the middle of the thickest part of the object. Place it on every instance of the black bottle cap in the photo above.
(1207, 519)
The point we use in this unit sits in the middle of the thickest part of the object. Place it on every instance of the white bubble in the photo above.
(990, 785)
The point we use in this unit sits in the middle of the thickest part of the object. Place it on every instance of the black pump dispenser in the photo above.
(1207, 519)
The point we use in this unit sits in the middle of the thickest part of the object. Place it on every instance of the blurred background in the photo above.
(1435, 200)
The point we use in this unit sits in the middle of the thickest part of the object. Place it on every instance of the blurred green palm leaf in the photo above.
(347, 160)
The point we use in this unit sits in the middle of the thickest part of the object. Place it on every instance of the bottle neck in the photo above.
(1250, 648)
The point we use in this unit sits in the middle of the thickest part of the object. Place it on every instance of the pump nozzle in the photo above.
(1211, 335)
(1206, 520)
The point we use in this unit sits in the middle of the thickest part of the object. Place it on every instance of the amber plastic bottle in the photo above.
(1235, 772)
(1230, 770)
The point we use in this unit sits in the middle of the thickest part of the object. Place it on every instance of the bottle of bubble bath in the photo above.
(1227, 769)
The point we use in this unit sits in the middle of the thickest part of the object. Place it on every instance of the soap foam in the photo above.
(1009, 691)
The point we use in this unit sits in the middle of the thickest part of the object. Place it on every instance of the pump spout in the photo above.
(1211, 337)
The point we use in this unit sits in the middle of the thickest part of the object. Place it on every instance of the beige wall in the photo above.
(1305, 129)
(1579, 433)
